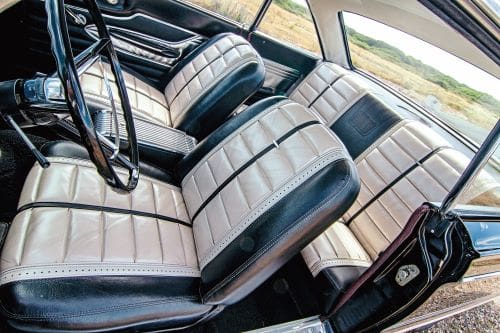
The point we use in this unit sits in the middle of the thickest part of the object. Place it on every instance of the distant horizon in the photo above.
(429, 54)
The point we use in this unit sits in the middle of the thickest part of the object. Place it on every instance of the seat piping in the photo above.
(235, 174)
(329, 86)
(43, 204)
(394, 182)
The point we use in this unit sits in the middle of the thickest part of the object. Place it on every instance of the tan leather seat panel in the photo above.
(71, 180)
(205, 71)
(337, 246)
(392, 155)
(329, 91)
(146, 102)
(267, 180)
(60, 242)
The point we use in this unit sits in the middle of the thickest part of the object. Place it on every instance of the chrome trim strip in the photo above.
(307, 325)
(131, 17)
(416, 323)
(140, 50)
(148, 134)
(479, 277)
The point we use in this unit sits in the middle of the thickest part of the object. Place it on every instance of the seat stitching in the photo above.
(291, 228)
(220, 56)
(332, 155)
(98, 311)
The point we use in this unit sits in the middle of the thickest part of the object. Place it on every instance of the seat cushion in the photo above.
(94, 230)
(80, 256)
(335, 247)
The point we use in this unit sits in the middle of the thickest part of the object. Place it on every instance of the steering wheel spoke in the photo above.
(103, 152)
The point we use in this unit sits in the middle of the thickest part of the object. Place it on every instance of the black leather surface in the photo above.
(280, 233)
(366, 121)
(216, 104)
(190, 160)
(92, 303)
(73, 150)
(332, 282)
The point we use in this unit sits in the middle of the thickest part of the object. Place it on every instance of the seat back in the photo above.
(329, 91)
(345, 104)
(270, 180)
(210, 83)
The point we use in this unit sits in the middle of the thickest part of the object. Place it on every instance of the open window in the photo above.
(290, 21)
(456, 92)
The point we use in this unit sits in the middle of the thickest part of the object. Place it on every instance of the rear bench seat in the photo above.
(393, 155)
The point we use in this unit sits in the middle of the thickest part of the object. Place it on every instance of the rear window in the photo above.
(460, 94)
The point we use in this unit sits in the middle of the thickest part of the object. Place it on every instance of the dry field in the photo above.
(417, 88)
(293, 28)
(278, 22)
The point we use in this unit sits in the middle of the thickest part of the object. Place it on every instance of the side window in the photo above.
(290, 21)
(460, 94)
(237, 10)
(485, 188)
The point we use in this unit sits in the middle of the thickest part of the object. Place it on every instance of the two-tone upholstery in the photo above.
(406, 167)
(344, 103)
(251, 196)
(202, 90)
(401, 164)
(329, 91)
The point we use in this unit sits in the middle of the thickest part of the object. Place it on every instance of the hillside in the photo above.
(431, 74)
(288, 21)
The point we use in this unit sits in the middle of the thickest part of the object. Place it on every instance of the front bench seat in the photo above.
(249, 197)
(202, 90)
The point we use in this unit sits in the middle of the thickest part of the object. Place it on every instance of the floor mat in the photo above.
(288, 295)
(16, 161)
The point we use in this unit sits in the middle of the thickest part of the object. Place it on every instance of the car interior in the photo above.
(165, 168)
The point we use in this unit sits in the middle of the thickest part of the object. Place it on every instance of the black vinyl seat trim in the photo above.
(251, 161)
(363, 123)
(42, 204)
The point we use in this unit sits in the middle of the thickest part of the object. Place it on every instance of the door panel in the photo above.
(152, 36)
(285, 65)
(138, 25)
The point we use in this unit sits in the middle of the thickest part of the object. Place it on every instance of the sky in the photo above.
(427, 53)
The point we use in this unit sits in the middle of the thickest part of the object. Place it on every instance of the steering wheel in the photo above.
(104, 154)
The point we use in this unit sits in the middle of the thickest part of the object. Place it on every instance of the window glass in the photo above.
(460, 94)
(237, 10)
(290, 21)
(485, 188)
